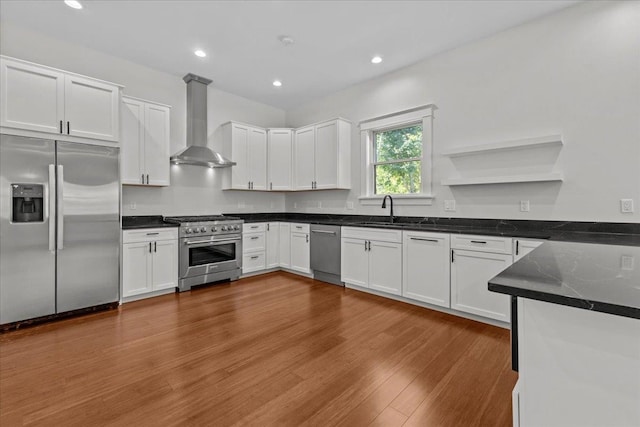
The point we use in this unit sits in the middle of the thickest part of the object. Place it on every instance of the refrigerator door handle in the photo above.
(52, 207)
(60, 207)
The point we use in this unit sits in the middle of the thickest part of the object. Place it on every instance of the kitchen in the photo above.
(527, 141)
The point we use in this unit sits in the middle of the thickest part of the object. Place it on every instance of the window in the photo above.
(396, 156)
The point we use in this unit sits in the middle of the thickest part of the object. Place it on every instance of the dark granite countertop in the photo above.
(151, 221)
(591, 276)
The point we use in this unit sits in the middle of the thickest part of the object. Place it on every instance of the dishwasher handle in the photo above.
(333, 233)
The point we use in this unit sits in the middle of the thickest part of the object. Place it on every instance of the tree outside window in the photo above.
(398, 160)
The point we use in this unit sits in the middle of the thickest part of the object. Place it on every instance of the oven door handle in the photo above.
(237, 239)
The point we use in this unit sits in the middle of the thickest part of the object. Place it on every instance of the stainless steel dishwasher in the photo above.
(325, 253)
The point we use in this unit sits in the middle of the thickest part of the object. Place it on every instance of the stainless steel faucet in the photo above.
(384, 205)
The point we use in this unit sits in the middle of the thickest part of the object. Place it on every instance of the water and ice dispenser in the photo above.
(27, 202)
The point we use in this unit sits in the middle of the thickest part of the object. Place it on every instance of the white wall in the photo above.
(576, 72)
(193, 190)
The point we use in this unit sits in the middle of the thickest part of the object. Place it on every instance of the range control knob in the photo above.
(188, 231)
(214, 229)
(196, 230)
(237, 227)
(203, 229)
(224, 228)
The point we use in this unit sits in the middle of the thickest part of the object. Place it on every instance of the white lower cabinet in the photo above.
(471, 271)
(300, 251)
(522, 247)
(149, 261)
(272, 256)
(372, 258)
(253, 247)
(426, 267)
(285, 244)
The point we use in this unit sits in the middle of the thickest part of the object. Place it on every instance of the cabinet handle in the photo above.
(60, 126)
(149, 247)
(255, 257)
(271, 186)
(517, 246)
(369, 245)
(424, 240)
(142, 178)
(365, 245)
(268, 227)
(147, 179)
(451, 255)
(68, 129)
(306, 237)
(255, 238)
(479, 241)
(152, 234)
(155, 246)
(254, 226)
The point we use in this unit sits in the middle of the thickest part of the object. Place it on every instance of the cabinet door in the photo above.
(385, 267)
(300, 253)
(354, 262)
(165, 264)
(257, 160)
(132, 142)
(470, 274)
(285, 245)
(273, 245)
(522, 247)
(426, 268)
(239, 154)
(280, 159)
(136, 269)
(91, 108)
(32, 97)
(156, 144)
(304, 160)
(326, 155)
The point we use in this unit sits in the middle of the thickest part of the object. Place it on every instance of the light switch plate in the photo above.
(133, 206)
(350, 206)
(626, 205)
(524, 206)
(627, 262)
(450, 205)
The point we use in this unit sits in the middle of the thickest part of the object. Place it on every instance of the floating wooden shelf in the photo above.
(556, 176)
(549, 140)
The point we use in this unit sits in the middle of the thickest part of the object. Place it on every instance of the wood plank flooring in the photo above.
(275, 349)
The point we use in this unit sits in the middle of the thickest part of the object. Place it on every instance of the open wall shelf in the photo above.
(550, 140)
(556, 176)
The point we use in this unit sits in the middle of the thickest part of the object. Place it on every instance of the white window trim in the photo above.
(368, 127)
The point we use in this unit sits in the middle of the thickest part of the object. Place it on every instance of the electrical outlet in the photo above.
(626, 205)
(349, 206)
(450, 205)
(627, 262)
(295, 205)
(133, 206)
(319, 204)
(524, 206)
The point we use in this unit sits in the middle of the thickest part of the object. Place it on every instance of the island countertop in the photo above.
(598, 277)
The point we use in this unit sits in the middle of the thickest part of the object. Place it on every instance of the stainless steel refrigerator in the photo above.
(59, 227)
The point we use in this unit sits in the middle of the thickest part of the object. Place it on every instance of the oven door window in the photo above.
(212, 254)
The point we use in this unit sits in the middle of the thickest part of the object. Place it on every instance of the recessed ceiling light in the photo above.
(286, 40)
(200, 53)
(73, 3)
(376, 60)
(277, 83)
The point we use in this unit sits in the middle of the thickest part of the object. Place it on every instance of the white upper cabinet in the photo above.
(42, 99)
(322, 156)
(280, 159)
(247, 146)
(91, 108)
(145, 142)
(304, 160)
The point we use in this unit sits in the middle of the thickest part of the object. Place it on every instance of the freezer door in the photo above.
(27, 249)
(88, 226)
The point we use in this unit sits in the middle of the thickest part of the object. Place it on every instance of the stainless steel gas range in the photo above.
(210, 249)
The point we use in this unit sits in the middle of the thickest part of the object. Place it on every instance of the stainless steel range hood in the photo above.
(197, 153)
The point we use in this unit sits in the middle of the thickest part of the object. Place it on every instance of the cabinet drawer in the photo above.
(149, 234)
(499, 245)
(253, 262)
(376, 234)
(252, 242)
(299, 228)
(254, 227)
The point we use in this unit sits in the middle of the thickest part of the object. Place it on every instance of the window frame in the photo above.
(405, 118)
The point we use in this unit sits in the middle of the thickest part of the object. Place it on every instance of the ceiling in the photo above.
(334, 40)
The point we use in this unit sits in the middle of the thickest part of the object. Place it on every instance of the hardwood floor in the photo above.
(275, 349)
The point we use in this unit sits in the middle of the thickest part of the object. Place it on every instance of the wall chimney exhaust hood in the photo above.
(197, 153)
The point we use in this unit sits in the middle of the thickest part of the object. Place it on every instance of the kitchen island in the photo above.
(577, 334)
